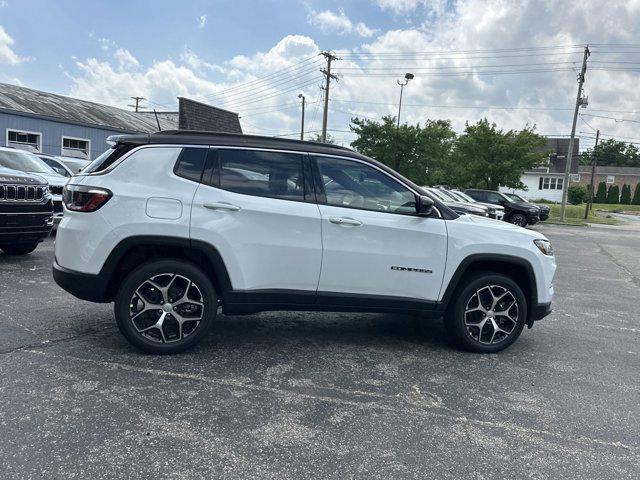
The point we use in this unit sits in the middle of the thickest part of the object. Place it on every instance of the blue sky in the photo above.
(216, 51)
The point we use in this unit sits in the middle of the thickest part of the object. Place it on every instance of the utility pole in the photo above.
(137, 100)
(302, 121)
(593, 174)
(328, 76)
(579, 102)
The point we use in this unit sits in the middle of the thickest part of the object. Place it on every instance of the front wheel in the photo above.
(165, 306)
(20, 248)
(488, 314)
(518, 219)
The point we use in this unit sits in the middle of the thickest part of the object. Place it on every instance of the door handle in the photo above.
(221, 206)
(345, 221)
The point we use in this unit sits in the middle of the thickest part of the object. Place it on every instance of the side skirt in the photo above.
(245, 302)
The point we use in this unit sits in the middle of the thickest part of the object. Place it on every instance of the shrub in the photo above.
(625, 195)
(613, 195)
(636, 195)
(576, 194)
(601, 193)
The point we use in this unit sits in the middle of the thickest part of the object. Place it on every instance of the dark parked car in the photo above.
(518, 213)
(26, 211)
(544, 209)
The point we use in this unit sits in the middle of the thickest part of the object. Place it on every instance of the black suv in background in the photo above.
(518, 213)
(544, 209)
(26, 211)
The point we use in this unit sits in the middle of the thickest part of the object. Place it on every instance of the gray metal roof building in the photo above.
(59, 125)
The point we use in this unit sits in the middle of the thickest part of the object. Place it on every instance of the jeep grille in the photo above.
(22, 193)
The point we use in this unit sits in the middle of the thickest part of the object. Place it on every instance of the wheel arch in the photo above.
(517, 269)
(134, 251)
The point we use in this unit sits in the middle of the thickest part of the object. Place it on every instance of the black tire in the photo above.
(460, 326)
(170, 338)
(519, 219)
(20, 248)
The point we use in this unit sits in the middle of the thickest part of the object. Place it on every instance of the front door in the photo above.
(373, 242)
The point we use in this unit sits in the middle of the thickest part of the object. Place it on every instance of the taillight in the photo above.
(79, 198)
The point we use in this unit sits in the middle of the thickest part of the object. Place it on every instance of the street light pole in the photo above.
(407, 77)
(302, 121)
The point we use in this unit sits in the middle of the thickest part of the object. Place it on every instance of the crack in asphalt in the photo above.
(48, 343)
(409, 405)
(635, 280)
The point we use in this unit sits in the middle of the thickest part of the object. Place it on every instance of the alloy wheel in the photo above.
(491, 314)
(166, 308)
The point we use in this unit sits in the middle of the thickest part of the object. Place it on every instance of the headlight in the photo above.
(544, 246)
(534, 210)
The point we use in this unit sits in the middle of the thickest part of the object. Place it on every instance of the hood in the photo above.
(499, 225)
(525, 205)
(53, 178)
(8, 175)
(467, 206)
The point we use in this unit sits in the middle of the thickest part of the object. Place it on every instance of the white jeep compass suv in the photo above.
(170, 226)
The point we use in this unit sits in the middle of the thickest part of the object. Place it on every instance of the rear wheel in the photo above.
(166, 306)
(518, 219)
(19, 248)
(488, 314)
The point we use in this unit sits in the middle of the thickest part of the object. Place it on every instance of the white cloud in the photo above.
(331, 22)
(202, 20)
(193, 61)
(7, 55)
(106, 43)
(400, 6)
(546, 98)
(126, 61)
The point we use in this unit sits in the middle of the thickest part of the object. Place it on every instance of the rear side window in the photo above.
(494, 197)
(190, 165)
(262, 173)
(108, 158)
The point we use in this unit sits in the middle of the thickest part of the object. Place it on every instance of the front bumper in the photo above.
(24, 227)
(532, 219)
(84, 286)
(538, 312)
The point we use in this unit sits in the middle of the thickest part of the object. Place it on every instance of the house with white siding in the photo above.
(547, 181)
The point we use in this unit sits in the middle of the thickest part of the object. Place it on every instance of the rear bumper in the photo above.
(84, 286)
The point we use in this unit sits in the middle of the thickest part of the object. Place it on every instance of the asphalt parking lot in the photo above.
(317, 395)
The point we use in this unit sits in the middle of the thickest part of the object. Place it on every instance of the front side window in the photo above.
(357, 185)
(262, 173)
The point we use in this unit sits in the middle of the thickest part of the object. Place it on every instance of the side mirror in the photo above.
(424, 206)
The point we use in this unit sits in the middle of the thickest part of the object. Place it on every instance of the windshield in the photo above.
(448, 195)
(464, 197)
(437, 194)
(515, 197)
(24, 162)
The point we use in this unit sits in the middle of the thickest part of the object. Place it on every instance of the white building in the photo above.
(546, 182)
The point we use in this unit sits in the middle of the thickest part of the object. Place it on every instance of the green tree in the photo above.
(613, 195)
(625, 195)
(636, 195)
(488, 157)
(601, 193)
(612, 152)
(576, 194)
(318, 138)
(420, 153)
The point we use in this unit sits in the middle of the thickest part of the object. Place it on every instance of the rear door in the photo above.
(255, 209)
(373, 243)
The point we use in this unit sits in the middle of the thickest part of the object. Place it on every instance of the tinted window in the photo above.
(357, 185)
(191, 163)
(108, 158)
(480, 196)
(262, 173)
(494, 197)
